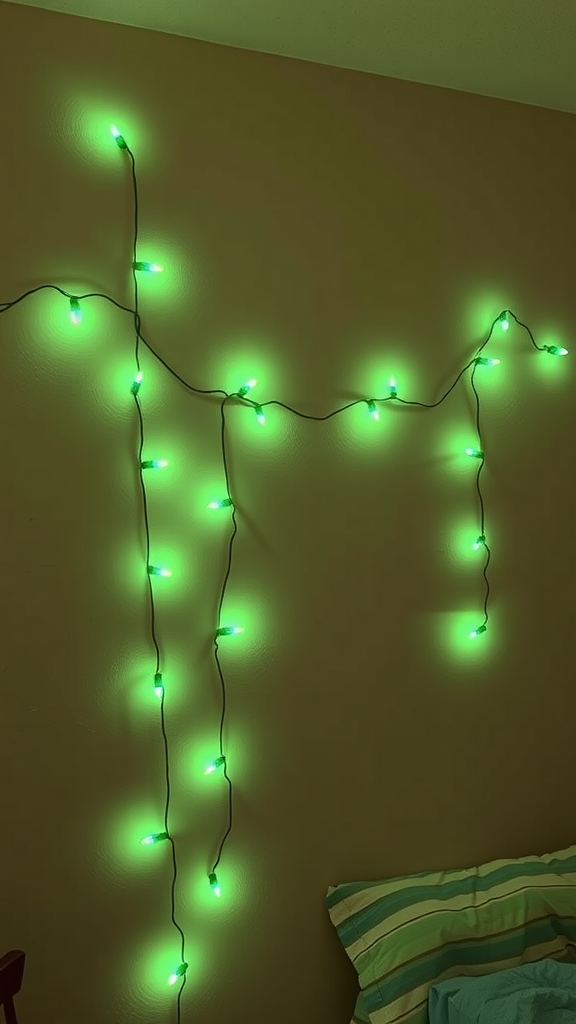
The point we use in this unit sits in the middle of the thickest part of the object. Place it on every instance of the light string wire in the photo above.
(241, 396)
(152, 606)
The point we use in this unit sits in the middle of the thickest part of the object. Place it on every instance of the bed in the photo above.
(409, 936)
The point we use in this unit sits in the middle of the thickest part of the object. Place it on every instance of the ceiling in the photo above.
(523, 50)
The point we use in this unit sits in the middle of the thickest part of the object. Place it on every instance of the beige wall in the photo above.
(320, 229)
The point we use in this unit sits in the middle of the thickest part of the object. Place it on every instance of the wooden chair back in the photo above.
(11, 974)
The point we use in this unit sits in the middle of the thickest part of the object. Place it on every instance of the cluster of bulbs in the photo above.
(140, 266)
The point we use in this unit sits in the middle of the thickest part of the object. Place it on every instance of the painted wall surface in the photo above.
(319, 230)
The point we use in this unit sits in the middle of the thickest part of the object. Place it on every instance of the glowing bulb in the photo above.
(246, 388)
(260, 414)
(214, 884)
(229, 630)
(120, 141)
(157, 570)
(503, 318)
(154, 464)
(75, 311)
(177, 974)
(373, 410)
(393, 388)
(158, 685)
(477, 632)
(555, 350)
(150, 268)
(223, 503)
(156, 837)
(479, 542)
(482, 361)
(474, 453)
(136, 383)
(215, 764)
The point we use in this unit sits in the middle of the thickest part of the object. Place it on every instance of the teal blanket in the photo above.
(540, 993)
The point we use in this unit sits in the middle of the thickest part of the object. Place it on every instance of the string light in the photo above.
(178, 973)
(120, 141)
(555, 350)
(246, 388)
(149, 268)
(156, 837)
(214, 884)
(75, 311)
(503, 319)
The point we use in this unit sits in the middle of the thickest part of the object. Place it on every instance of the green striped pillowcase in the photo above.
(405, 934)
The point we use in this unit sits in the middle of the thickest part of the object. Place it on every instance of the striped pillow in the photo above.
(405, 934)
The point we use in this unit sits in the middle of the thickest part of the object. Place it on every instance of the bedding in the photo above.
(544, 991)
(405, 934)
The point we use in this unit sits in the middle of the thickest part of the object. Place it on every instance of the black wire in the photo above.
(153, 635)
(481, 500)
(139, 339)
(220, 604)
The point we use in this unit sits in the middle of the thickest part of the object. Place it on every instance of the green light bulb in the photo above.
(260, 414)
(214, 884)
(157, 570)
(75, 311)
(246, 388)
(136, 383)
(223, 503)
(215, 764)
(393, 388)
(503, 318)
(555, 350)
(154, 464)
(477, 632)
(479, 542)
(150, 268)
(373, 410)
(156, 837)
(120, 141)
(229, 630)
(177, 974)
(474, 453)
(158, 685)
(482, 361)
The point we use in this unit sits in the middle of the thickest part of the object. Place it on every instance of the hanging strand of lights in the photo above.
(243, 395)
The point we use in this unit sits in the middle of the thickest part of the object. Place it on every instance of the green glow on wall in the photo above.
(480, 310)
(463, 536)
(122, 850)
(53, 330)
(152, 965)
(245, 360)
(132, 571)
(135, 678)
(88, 130)
(549, 369)
(452, 635)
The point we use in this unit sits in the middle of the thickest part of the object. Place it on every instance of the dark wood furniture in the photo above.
(11, 973)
